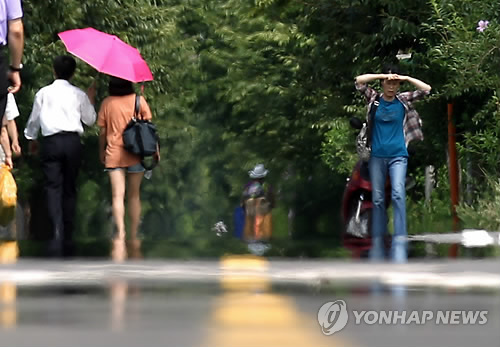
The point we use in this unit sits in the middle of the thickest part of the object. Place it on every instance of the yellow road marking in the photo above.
(247, 314)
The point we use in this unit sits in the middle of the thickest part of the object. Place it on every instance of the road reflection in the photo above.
(118, 291)
(8, 310)
(247, 313)
(124, 299)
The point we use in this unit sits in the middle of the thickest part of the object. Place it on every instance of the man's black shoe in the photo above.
(69, 249)
(55, 248)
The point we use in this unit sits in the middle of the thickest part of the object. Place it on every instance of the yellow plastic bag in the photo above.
(8, 196)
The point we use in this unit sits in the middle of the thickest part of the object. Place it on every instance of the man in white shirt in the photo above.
(58, 111)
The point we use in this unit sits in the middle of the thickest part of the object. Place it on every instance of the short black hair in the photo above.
(391, 68)
(64, 66)
(120, 87)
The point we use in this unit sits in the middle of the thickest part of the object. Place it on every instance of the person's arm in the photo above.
(4, 141)
(361, 83)
(88, 114)
(14, 136)
(11, 112)
(103, 126)
(417, 83)
(366, 78)
(33, 124)
(102, 145)
(16, 47)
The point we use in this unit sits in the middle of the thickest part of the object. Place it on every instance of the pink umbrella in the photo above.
(107, 54)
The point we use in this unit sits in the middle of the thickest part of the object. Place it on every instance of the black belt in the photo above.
(63, 133)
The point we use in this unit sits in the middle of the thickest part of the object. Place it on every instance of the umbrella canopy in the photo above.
(107, 54)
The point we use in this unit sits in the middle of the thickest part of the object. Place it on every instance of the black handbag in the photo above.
(140, 137)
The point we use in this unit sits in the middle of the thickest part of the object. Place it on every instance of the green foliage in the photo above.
(339, 151)
(240, 82)
(467, 56)
(480, 145)
(225, 96)
(432, 217)
(485, 213)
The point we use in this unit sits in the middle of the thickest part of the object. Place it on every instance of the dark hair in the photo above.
(64, 66)
(391, 68)
(120, 87)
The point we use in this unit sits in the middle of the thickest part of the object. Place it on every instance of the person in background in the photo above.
(8, 245)
(59, 111)
(258, 201)
(396, 124)
(9, 137)
(124, 168)
(12, 36)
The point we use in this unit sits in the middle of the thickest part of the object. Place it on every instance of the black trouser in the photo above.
(4, 82)
(61, 158)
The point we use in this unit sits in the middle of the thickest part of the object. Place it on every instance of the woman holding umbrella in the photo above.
(110, 55)
(124, 168)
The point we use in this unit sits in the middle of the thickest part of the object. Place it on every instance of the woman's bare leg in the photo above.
(117, 178)
(134, 180)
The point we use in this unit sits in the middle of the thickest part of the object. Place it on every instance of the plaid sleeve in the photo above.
(368, 92)
(415, 95)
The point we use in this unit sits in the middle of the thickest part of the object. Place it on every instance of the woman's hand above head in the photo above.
(366, 78)
(416, 82)
(394, 76)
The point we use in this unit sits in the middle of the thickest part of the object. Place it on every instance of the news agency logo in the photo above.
(333, 317)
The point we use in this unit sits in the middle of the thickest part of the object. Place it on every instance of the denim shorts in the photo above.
(131, 169)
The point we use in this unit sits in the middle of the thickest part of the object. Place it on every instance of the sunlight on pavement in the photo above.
(249, 314)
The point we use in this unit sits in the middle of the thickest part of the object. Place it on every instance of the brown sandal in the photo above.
(135, 249)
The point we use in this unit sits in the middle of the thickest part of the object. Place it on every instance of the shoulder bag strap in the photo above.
(137, 107)
(371, 119)
(138, 135)
(138, 138)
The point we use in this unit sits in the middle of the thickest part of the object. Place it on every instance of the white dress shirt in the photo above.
(11, 110)
(58, 107)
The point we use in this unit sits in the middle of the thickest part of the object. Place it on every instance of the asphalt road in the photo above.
(242, 302)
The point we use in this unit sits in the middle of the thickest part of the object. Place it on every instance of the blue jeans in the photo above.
(396, 167)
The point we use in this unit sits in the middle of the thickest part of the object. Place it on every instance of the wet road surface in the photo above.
(241, 302)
